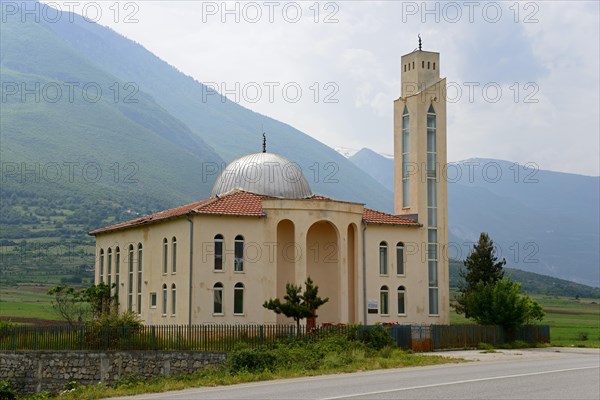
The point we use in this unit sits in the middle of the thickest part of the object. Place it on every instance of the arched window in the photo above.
(422, 64)
(218, 252)
(130, 280)
(165, 255)
(384, 297)
(238, 264)
(405, 158)
(173, 299)
(238, 298)
(383, 258)
(109, 268)
(401, 300)
(164, 299)
(399, 258)
(139, 280)
(428, 64)
(174, 255)
(117, 271)
(218, 298)
(101, 262)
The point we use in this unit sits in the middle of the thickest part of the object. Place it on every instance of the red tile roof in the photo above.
(241, 203)
(378, 217)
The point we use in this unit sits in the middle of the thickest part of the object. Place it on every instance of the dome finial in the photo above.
(420, 42)
(264, 142)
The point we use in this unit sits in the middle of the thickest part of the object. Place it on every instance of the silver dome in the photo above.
(263, 173)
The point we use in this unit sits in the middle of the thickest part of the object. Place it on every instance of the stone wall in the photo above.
(34, 371)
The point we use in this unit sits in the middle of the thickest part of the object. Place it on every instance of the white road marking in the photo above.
(456, 383)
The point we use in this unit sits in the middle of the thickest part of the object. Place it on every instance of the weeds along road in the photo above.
(551, 373)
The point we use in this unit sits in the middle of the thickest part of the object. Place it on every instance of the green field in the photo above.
(26, 302)
(572, 322)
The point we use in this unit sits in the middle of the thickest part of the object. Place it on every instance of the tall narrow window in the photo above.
(165, 257)
(173, 299)
(130, 280)
(238, 265)
(218, 252)
(101, 262)
(218, 298)
(238, 298)
(405, 158)
(109, 268)
(117, 271)
(383, 258)
(164, 299)
(432, 242)
(174, 255)
(139, 280)
(400, 258)
(384, 300)
(401, 300)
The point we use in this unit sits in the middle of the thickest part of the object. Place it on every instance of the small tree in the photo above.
(482, 267)
(69, 304)
(298, 306)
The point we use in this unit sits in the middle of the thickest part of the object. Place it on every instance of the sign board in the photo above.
(372, 307)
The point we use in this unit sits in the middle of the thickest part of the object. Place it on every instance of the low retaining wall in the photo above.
(35, 371)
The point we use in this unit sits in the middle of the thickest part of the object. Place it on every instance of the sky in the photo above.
(523, 77)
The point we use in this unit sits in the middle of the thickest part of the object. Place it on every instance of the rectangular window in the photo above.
(153, 300)
(400, 259)
(383, 298)
(433, 301)
(401, 302)
(218, 301)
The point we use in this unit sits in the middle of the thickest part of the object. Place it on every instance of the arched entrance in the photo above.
(322, 265)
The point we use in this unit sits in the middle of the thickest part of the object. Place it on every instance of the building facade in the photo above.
(219, 259)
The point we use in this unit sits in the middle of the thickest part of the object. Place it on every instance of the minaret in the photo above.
(420, 189)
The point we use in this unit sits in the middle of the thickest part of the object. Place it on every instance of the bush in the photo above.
(376, 337)
(251, 360)
(6, 391)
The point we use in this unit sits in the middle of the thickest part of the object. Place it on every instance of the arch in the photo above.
(352, 258)
(400, 261)
(238, 299)
(173, 255)
(238, 251)
(383, 258)
(165, 255)
(218, 298)
(322, 265)
(401, 300)
(384, 300)
(173, 299)
(287, 256)
(218, 261)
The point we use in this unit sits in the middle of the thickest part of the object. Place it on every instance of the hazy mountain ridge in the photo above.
(542, 221)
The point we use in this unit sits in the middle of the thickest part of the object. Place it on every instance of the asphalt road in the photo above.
(528, 374)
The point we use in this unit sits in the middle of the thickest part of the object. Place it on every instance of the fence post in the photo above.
(152, 335)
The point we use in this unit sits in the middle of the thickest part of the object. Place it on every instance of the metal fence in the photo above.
(212, 337)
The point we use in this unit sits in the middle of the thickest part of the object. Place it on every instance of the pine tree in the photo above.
(482, 268)
(298, 306)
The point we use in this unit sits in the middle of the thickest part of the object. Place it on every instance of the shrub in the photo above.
(6, 391)
(251, 360)
(583, 336)
(376, 337)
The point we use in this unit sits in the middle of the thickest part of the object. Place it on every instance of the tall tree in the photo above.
(298, 306)
(481, 268)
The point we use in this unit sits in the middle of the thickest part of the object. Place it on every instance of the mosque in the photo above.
(217, 260)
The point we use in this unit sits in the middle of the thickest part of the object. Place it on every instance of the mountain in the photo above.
(541, 221)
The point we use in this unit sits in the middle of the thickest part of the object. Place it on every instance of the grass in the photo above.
(26, 302)
(572, 322)
(353, 359)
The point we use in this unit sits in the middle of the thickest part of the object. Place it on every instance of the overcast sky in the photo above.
(523, 77)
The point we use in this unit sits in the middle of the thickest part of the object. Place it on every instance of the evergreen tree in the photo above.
(482, 268)
(298, 306)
